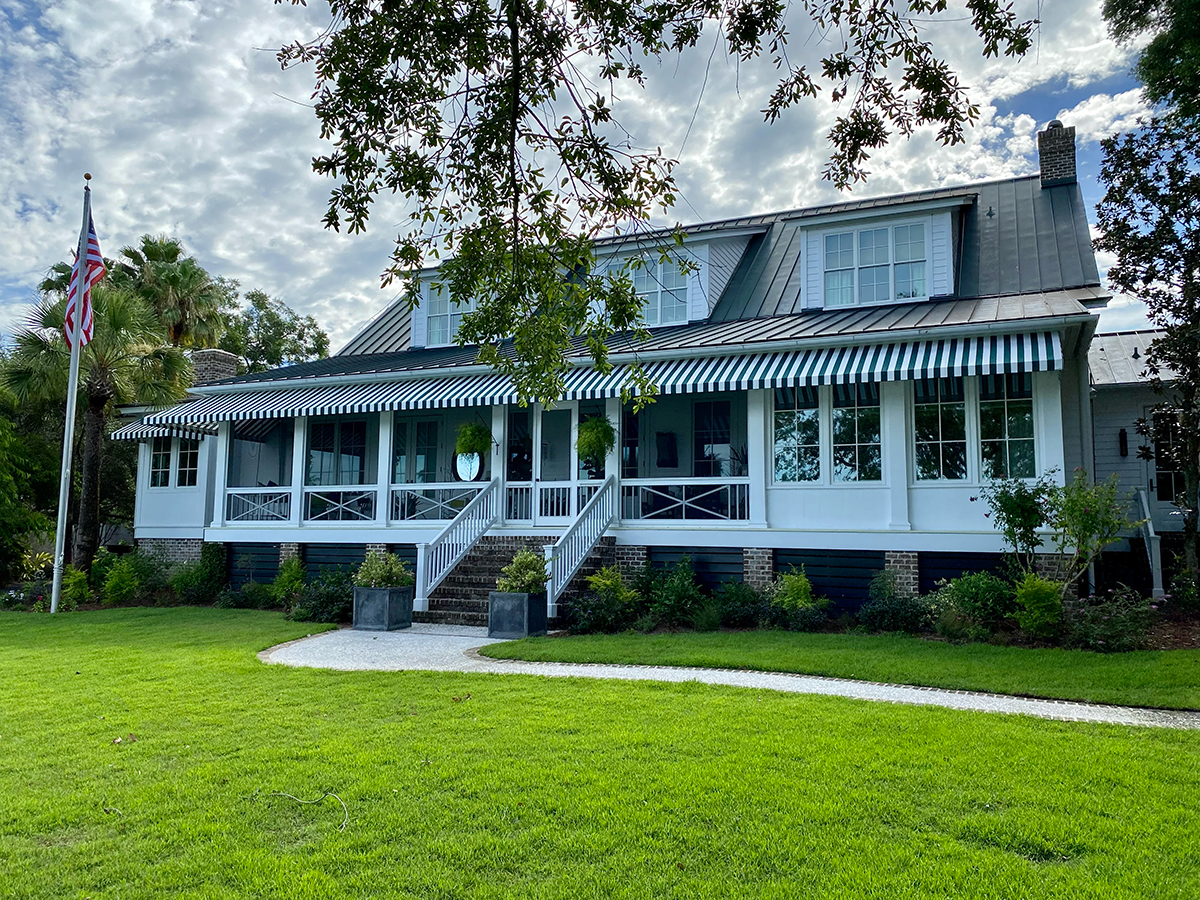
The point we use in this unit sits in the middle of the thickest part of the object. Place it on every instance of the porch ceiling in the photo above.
(1038, 351)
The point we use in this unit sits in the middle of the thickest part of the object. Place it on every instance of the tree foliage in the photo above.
(264, 333)
(1150, 218)
(1169, 65)
(496, 120)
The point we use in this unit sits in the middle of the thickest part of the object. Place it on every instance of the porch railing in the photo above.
(339, 505)
(686, 499)
(566, 555)
(1153, 548)
(518, 502)
(415, 502)
(258, 505)
(438, 558)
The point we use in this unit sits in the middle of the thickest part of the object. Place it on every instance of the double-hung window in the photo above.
(189, 461)
(662, 290)
(1006, 425)
(1168, 473)
(940, 411)
(160, 462)
(856, 439)
(875, 265)
(797, 434)
(444, 316)
(415, 451)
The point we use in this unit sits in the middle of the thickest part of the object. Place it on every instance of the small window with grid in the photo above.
(1006, 425)
(856, 438)
(797, 434)
(940, 412)
(839, 269)
(160, 462)
(1168, 476)
(444, 316)
(189, 461)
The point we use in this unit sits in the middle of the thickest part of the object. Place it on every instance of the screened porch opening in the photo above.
(340, 469)
(259, 477)
(428, 482)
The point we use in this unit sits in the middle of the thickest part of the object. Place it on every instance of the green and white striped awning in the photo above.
(905, 360)
(139, 431)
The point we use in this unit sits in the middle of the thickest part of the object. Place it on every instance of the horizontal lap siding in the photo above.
(252, 562)
(934, 567)
(843, 575)
(407, 552)
(712, 566)
(337, 556)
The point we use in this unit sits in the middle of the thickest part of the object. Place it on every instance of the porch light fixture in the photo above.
(1123, 441)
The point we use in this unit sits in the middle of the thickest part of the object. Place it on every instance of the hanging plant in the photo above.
(473, 438)
(596, 438)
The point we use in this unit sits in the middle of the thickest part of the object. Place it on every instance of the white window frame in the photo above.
(173, 466)
(825, 443)
(452, 316)
(856, 228)
(651, 270)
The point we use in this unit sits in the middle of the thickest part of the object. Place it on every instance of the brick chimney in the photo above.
(1056, 154)
(212, 365)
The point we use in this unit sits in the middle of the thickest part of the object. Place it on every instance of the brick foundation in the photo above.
(758, 567)
(631, 558)
(173, 549)
(906, 569)
(377, 548)
(290, 550)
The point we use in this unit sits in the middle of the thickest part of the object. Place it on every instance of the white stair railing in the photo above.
(566, 555)
(1153, 550)
(438, 558)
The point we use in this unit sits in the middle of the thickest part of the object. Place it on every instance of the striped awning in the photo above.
(907, 360)
(139, 431)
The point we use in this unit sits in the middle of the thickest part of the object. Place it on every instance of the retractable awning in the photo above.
(139, 431)
(905, 360)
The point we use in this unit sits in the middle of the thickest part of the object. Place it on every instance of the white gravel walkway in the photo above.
(450, 648)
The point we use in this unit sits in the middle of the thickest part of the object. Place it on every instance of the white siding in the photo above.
(419, 334)
(812, 272)
(174, 512)
(941, 276)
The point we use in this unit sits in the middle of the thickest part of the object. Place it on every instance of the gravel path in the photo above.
(449, 648)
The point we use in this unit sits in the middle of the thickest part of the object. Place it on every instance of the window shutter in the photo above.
(420, 331)
(813, 298)
(941, 280)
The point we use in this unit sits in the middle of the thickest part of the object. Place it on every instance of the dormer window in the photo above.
(445, 316)
(875, 265)
(662, 288)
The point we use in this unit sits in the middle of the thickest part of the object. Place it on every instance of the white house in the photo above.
(836, 384)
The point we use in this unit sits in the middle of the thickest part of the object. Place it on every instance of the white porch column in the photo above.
(299, 438)
(893, 426)
(224, 440)
(612, 462)
(383, 469)
(758, 455)
(1048, 425)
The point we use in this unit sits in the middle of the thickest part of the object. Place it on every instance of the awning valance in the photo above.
(905, 360)
(139, 431)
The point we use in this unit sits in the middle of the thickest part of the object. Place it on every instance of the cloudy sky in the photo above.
(181, 114)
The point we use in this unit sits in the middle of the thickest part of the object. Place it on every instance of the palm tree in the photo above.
(185, 296)
(127, 361)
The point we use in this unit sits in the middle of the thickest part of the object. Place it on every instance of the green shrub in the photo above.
(648, 582)
(382, 570)
(1039, 605)
(104, 560)
(1112, 622)
(36, 566)
(526, 574)
(741, 606)
(1184, 596)
(288, 583)
(123, 583)
(708, 616)
(608, 606)
(645, 624)
(199, 582)
(792, 604)
(75, 589)
(984, 599)
(228, 599)
(31, 593)
(679, 596)
(891, 612)
(256, 595)
(327, 598)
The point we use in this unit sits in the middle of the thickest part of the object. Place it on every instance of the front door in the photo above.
(554, 466)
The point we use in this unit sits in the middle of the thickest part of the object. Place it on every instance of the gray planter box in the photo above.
(383, 609)
(513, 616)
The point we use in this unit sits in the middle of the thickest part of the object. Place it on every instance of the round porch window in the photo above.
(469, 466)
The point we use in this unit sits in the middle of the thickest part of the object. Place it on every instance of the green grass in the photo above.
(1169, 679)
(510, 786)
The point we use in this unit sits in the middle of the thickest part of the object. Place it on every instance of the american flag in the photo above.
(95, 271)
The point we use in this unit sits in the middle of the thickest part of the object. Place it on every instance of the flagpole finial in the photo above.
(87, 176)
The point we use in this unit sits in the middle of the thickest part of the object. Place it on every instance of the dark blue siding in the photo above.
(841, 575)
(712, 565)
(251, 562)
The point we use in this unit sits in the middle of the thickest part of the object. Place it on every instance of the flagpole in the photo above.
(64, 484)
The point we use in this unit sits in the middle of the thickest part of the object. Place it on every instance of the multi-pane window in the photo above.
(1006, 425)
(797, 434)
(875, 265)
(1168, 477)
(630, 442)
(415, 451)
(856, 443)
(189, 461)
(662, 290)
(592, 469)
(160, 462)
(520, 446)
(940, 412)
(712, 439)
(444, 316)
(337, 453)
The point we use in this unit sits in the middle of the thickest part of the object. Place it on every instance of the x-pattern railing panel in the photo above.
(258, 506)
(706, 501)
(416, 502)
(340, 506)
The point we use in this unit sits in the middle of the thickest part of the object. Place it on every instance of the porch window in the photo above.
(856, 439)
(1168, 477)
(338, 453)
(713, 452)
(662, 290)
(520, 446)
(940, 411)
(444, 316)
(160, 462)
(875, 265)
(797, 434)
(260, 454)
(630, 439)
(1006, 425)
(415, 451)
(189, 461)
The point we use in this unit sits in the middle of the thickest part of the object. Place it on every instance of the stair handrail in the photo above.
(1153, 546)
(566, 555)
(438, 558)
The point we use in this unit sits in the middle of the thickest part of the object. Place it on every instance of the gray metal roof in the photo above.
(1112, 361)
(388, 332)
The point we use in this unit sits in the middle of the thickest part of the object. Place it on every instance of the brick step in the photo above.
(458, 604)
(446, 617)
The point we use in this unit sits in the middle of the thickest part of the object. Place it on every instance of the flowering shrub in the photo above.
(1039, 605)
(1112, 622)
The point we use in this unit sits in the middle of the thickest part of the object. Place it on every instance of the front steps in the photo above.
(462, 598)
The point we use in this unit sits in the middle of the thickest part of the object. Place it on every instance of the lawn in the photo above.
(510, 786)
(1169, 679)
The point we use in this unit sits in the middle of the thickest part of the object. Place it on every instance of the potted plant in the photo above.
(383, 593)
(595, 439)
(471, 448)
(517, 608)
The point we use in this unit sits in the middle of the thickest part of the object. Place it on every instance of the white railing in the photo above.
(1153, 549)
(518, 503)
(566, 555)
(438, 558)
(687, 499)
(339, 505)
(554, 501)
(258, 505)
(423, 502)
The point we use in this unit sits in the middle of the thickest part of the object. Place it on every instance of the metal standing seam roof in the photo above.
(994, 354)
(1112, 361)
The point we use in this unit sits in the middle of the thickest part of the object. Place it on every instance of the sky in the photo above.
(188, 126)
